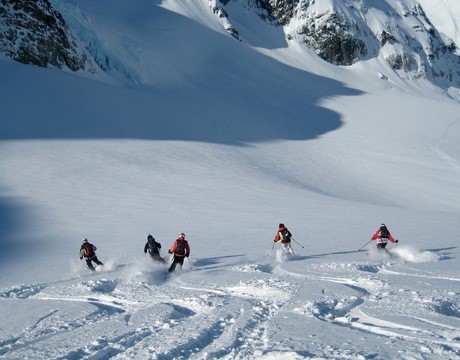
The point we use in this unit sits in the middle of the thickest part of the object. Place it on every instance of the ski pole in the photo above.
(365, 245)
(297, 242)
(275, 242)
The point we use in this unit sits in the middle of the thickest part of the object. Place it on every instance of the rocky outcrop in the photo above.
(281, 11)
(223, 16)
(34, 33)
(344, 32)
(335, 39)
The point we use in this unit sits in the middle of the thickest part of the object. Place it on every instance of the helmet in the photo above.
(281, 225)
(85, 240)
(382, 225)
(150, 238)
(181, 235)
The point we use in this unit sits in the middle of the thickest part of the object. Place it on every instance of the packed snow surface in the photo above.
(189, 130)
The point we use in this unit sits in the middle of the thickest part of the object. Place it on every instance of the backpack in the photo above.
(180, 248)
(88, 249)
(284, 235)
(384, 233)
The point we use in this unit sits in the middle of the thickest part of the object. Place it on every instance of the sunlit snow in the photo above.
(189, 130)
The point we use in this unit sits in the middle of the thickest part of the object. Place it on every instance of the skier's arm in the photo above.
(173, 248)
(277, 237)
(82, 253)
(187, 249)
(145, 248)
(376, 235)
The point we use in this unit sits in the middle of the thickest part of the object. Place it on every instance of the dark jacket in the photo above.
(153, 247)
(87, 251)
(178, 245)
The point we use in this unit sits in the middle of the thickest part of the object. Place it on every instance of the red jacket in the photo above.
(377, 235)
(174, 248)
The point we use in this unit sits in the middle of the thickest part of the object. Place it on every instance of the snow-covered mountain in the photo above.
(184, 128)
(341, 32)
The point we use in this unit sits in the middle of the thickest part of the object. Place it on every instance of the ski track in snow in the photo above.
(117, 314)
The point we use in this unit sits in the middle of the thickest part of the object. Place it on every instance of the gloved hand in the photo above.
(81, 258)
(169, 252)
(186, 255)
(396, 241)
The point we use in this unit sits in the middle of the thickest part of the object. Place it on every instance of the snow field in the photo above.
(240, 311)
(225, 142)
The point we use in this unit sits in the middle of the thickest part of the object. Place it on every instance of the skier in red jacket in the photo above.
(181, 250)
(382, 235)
(284, 236)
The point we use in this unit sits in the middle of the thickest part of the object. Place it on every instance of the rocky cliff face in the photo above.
(32, 32)
(343, 32)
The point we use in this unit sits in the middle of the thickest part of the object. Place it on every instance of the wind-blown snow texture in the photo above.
(191, 130)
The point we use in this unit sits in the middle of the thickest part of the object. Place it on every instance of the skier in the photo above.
(180, 249)
(87, 251)
(382, 235)
(153, 247)
(284, 236)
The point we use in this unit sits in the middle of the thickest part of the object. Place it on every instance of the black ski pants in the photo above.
(158, 258)
(176, 260)
(89, 262)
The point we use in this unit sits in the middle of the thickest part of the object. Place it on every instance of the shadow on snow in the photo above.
(221, 92)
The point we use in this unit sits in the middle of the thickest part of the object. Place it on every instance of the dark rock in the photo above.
(34, 33)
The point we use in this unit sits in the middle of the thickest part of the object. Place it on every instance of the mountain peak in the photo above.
(345, 32)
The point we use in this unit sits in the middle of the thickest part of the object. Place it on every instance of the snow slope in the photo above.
(444, 15)
(190, 130)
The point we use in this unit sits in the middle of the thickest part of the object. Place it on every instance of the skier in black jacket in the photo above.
(153, 247)
(88, 251)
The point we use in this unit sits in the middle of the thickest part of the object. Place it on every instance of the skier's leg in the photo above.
(96, 260)
(89, 265)
(158, 258)
(381, 246)
(173, 265)
(287, 247)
